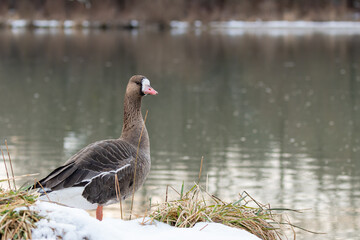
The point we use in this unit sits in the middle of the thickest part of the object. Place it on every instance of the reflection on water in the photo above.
(275, 115)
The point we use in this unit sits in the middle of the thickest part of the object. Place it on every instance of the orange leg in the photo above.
(99, 213)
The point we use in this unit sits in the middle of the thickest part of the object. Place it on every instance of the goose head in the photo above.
(140, 86)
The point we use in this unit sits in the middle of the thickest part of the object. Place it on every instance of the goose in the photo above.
(87, 179)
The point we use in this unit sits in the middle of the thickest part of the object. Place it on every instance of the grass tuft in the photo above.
(197, 205)
(16, 220)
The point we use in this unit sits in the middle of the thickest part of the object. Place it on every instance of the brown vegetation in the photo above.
(197, 205)
(17, 220)
(162, 11)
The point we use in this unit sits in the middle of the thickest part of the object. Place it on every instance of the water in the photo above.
(276, 115)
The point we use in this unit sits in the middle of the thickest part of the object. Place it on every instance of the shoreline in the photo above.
(135, 24)
(72, 223)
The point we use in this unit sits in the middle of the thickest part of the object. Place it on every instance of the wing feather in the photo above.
(102, 156)
(100, 189)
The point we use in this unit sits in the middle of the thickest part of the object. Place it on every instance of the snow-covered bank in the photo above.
(286, 25)
(20, 23)
(71, 223)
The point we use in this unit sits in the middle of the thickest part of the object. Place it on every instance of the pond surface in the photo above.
(276, 115)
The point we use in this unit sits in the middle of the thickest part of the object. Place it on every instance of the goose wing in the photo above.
(95, 161)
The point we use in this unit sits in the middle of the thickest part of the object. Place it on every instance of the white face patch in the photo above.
(145, 83)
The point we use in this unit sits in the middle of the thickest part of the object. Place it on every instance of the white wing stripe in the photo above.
(105, 173)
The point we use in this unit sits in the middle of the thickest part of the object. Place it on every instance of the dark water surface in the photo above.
(275, 115)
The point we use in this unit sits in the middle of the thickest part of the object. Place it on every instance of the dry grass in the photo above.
(197, 205)
(17, 224)
(16, 220)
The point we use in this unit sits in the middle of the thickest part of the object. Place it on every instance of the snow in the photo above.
(71, 223)
(179, 24)
(134, 23)
(85, 24)
(197, 23)
(184, 25)
(286, 25)
(69, 24)
(18, 23)
(46, 23)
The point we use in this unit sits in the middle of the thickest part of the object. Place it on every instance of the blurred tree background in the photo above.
(162, 11)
